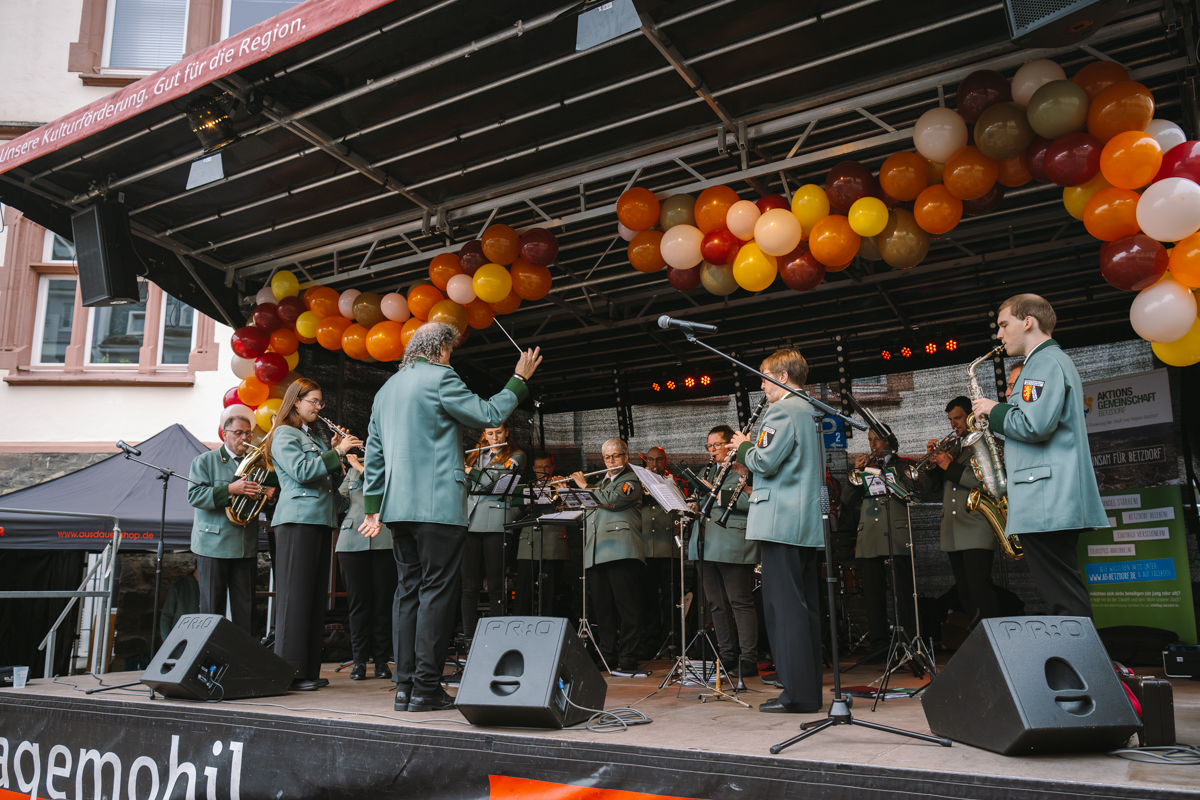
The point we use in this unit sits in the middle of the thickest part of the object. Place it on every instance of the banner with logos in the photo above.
(1131, 430)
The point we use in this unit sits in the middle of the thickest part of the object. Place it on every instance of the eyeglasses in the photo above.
(716, 446)
(313, 403)
(616, 456)
(239, 434)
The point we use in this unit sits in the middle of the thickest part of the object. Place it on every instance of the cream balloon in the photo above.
(680, 246)
(939, 133)
(1163, 312)
(346, 303)
(778, 232)
(242, 367)
(265, 295)
(741, 219)
(626, 233)
(1166, 133)
(718, 280)
(460, 289)
(394, 307)
(238, 410)
(1033, 76)
(1169, 210)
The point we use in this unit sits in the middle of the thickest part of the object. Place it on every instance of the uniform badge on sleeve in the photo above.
(1031, 390)
(765, 436)
(626, 488)
(510, 464)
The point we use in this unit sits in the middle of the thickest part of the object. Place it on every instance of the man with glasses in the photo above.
(658, 530)
(226, 554)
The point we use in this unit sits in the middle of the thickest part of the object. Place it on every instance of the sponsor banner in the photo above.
(1130, 401)
(1131, 434)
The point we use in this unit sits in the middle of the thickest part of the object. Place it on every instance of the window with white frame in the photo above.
(176, 332)
(242, 14)
(144, 34)
(52, 323)
(116, 332)
(58, 249)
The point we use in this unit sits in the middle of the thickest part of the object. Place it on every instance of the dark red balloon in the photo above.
(978, 92)
(250, 342)
(800, 271)
(719, 247)
(986, 204)
(1072, 159)
(1181, 161)
(847, 182)
(1035, 158)
(769, 201)
(290, 309)
(462, 339)
(887, 199)
(231, 398)
(266, 316)
(684, 279)
(538, 246)
(270, 368)
(1132, 263)
(471, 257)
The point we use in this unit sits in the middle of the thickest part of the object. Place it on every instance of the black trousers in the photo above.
(1054, 562)
(302, 587)
(729, 589)
(429, 560)
(527, 592)
(791, 604)
(973, 577)
(657, 604)
(616, 591)
(217, 576)
(483, 553)
(370, 589)
(876, 577)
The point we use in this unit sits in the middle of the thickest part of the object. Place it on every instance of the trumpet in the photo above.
(951, 442)
(485, 447)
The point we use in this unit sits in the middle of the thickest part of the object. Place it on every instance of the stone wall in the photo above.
(18, 470)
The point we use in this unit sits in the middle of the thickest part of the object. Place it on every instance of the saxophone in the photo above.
(990, 498)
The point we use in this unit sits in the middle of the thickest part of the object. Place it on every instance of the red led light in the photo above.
(951, 345)
(689, 382)
(671, 385)
(705, 380)
(904, 351)
(931, 348)
(887, 355)
(656, 387)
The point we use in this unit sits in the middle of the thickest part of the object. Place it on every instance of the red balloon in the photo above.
(250, 342)
(684, 279)
(471, 257)
(986, 204)
(290, 309)
(1073, 159)
(719, 247)
(978, 92)
(1181, 161)
(266, 316)
(1132, 263)
(270, 368)
(800, 270)
(231, 398)
(1035, 158)
(539, 247)
(769, 201)
(850, 181)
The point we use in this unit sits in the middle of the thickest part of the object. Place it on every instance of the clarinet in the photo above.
(737, 492)
(706, 509)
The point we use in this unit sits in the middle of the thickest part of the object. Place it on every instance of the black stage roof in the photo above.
(402, 133)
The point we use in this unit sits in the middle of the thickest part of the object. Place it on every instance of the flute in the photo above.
(338, 429)
(586, 475)
(485, 447)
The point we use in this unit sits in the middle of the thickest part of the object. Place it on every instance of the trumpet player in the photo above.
(967, 539)
(226, 554)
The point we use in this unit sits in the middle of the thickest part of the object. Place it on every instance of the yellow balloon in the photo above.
(306, 325)
(810, 204)
(868, 216)
(292, 359)
(264, 415)
(753, 269)
(284, 284)
(492, 283)
(1182, 352)
(1075, 198)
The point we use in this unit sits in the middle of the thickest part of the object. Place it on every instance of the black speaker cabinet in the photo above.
(104, 252)
(522, 670)
(1057, 23)
(1031, 685)
(207, 657)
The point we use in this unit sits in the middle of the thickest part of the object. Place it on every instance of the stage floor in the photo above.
(717, 738)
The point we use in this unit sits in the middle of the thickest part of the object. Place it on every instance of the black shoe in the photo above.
(402, 699)
(436, 702)
(770, 679)
(359, 673)
(775, 707)
(322, 682)
(382, 671)
(748, 669)
(304, 685)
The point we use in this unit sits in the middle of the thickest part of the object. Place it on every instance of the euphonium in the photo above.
(243, 508)
(991, 497)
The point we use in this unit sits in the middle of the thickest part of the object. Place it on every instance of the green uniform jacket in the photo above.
(873, 518)
(1051, 484)
(728, 544)
(309, 475)
(489, 513)
(555, 537)
(414, 462)
(658, 528)
(213, 535)
(961, 530)
(349, 539)
(785, 506)
(615, 533)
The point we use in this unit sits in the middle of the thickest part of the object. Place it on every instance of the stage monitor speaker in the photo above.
(521, 672)
(1022, 685)
(105, 256)
(1057, 23)
(207, 657)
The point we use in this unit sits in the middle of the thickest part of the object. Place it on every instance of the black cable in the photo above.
(1177, 754)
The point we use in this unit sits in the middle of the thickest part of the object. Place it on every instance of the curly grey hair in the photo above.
(428, 343)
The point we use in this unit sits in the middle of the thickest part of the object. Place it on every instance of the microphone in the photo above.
(127, 450)
(695, 327)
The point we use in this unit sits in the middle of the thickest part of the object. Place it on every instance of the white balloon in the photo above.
(238, 410)
(626, 233)
(777, 232)
(939, 133)
(395, 307)
(1166, 133)
(680, 246)
(1169, 211)
(265, 295)
(461, 289)
(741, 218)
(1163, 312)
(242, 367)
(1033, 76)
(346, 303)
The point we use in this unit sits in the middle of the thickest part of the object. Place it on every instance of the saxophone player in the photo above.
(1052, 492)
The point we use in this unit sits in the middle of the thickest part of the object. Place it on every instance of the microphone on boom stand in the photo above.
(666, 322)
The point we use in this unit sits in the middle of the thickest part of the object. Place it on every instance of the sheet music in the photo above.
(568, 516)
(578, 498)
(662, 489)
(504, 485)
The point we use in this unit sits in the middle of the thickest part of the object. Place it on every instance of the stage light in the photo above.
(931, 348)
(656, 387)
(671, 385)
(209, 120)
(904, 351)
(689, 382)
(951, 345)
(705, 380)
(886, 355)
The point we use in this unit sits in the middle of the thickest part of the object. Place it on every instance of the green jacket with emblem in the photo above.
(349, 539)
(727, 544)
(614, 533)
(873, 517)
(961, 529)
(1051, 484)
(213, 534)
(489, 513)
(309, 474)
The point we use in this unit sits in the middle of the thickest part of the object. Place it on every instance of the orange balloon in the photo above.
(937, 211)
(306, 340)
(330, 330)
(638, 209)
(1124, 106)
(1111, 214)
(421, 299)
(354, 341)
(450, 313)
(1185, 261)
(644, 252)
(904, 175)
(408, 329)
(324, 302)
(969, 174)
(1098, 76)
(508, 305)
(308, 296)
(1013, 172)
(1130, 160)
(833, 242)
(253, 392)
(501, 244)
(711, 207)
(284, 342)
(529, 281)
(384, 341)
(479, 314)
(443, 268)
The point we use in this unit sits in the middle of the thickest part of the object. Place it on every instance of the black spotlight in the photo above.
(209, 119)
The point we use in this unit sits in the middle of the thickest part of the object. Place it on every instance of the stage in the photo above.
(345, 741)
